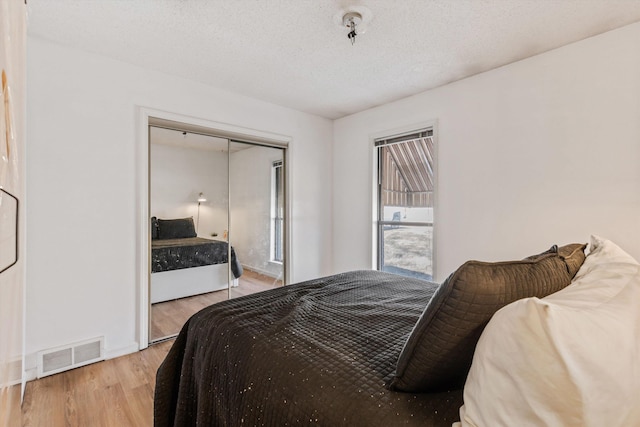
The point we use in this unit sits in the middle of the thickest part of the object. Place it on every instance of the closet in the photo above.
(217, 220)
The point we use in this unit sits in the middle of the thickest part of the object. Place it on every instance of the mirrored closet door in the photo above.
(217, 222)
(257, 212)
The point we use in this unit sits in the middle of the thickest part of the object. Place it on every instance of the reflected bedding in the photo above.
(176, 254)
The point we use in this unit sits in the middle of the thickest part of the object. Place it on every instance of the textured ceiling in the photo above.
(292, 52)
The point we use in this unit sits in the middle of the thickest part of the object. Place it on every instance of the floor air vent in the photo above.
(70, 356)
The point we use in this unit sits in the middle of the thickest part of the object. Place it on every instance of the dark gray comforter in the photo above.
(176, 254)
(315, 353)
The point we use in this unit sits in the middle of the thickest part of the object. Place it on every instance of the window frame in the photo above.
(390, 138)
(276, 246)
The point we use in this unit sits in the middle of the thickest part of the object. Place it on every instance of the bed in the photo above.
(183, 264)
(302, 353)
(368, 348)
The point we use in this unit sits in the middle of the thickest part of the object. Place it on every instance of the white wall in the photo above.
(82, 111)
(251, 207)
(178, 175)
(542, 151)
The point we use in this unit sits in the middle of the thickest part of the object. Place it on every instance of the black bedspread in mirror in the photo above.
(176, 254)
(314, 353)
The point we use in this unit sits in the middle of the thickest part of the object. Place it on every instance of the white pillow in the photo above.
(569, 359)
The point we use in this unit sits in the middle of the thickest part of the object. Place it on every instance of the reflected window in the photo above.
(277, 211)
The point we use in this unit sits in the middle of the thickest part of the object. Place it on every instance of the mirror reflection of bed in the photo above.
(168, 317)
(216, 227)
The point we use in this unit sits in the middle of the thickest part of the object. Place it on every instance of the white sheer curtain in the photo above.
(12, 63)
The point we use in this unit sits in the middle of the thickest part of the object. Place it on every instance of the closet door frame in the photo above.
(149, 116)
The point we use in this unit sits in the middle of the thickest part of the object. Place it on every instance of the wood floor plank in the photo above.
(140, 400)
(48, 398)
(10, 415)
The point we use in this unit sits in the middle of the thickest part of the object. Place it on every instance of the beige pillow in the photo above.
(570, 359)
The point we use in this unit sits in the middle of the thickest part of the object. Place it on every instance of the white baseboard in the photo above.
(31, 374)
(261, 271)
(14, 376)
(31, 366)
(122, 351)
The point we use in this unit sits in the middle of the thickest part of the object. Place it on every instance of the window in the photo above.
(405, 204)
(277, 211)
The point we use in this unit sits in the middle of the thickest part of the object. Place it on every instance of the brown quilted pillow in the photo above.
(437, 356)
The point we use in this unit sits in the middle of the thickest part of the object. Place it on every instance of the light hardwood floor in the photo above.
(10, 406)
(168, 317)
(116, 392)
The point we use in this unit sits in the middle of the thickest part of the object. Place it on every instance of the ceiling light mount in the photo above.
(351, 20)
(355, 19)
